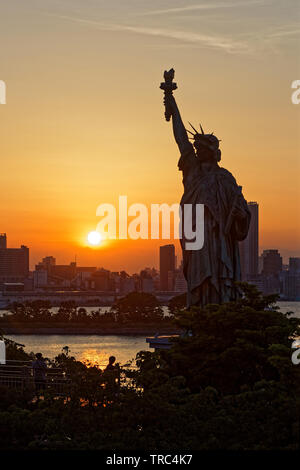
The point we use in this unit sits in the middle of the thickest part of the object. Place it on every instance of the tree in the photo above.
(35, 310)
(233, 378)
(136, 307)
(177, 303)
(67, 311)
(230, 385)
(235, 344)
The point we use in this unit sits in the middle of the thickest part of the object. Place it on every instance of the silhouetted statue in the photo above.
(212, 271)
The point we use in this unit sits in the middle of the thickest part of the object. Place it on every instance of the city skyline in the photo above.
(49, 278)
(96, 259)
(161, 244)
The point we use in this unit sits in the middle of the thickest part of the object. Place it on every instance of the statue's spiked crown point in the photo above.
(208, 140)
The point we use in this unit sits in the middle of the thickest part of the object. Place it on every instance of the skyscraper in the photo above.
(294, 265)
(166, 266)
(3, 243)
(271, 271)
(291, 280)
(249, 246)
(14, 262)
(272, 263)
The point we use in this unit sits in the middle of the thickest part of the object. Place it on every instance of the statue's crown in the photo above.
(208, 140)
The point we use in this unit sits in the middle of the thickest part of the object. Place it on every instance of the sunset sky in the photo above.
(84, 119)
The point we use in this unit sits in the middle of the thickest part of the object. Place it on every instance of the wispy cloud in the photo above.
(249, 42)
(203, 6)
(293, 31)
(212, 41)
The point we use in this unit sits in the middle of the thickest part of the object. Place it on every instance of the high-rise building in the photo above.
(3, 241)
(272, 263)
(40, 278)
(249, 246)
(166, 266)
(14, 263)
(294, 265)
(290, 283)
(47, 262)
(180, 284)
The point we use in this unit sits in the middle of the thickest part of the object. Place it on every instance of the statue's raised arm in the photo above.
(171, 109)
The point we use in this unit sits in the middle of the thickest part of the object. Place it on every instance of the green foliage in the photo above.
(234, 344)
(177, 303)
(137, 307)
(31, 310)
(134, 307)
(15, 351)
(228, 385)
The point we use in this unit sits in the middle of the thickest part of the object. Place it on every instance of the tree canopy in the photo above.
(138, 306)
(228, 383)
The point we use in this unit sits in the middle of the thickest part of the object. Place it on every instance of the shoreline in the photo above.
(98, 331)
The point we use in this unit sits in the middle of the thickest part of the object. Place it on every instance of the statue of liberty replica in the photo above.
(212, 271)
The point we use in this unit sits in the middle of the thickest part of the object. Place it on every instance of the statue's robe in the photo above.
(212, 271)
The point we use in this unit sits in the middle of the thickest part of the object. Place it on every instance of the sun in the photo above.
(94, 238)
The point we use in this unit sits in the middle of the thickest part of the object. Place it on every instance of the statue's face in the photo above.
(203, 152)
(206, 146)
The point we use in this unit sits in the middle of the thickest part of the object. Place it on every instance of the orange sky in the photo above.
(84, 120)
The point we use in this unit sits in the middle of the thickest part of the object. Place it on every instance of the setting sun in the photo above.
(94, 238)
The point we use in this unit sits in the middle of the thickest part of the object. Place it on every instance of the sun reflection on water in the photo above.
(94, 357)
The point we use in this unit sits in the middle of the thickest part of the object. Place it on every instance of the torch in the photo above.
(168, 86)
